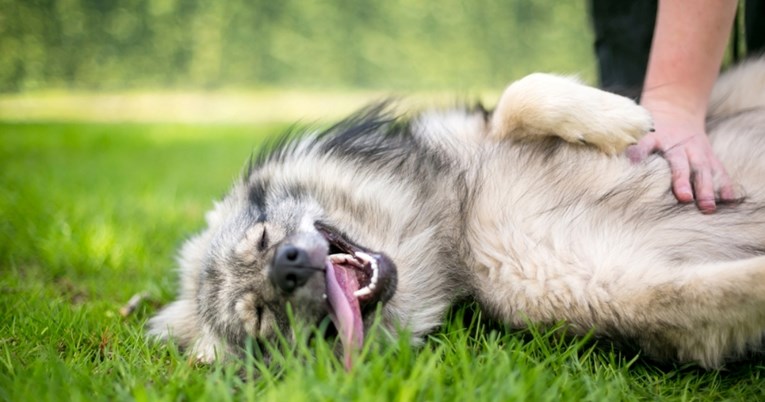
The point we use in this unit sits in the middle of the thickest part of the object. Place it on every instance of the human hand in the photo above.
(697, 174)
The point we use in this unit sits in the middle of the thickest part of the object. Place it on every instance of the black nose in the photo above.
(291, 268)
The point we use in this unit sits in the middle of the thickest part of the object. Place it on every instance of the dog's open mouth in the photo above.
(356, 278)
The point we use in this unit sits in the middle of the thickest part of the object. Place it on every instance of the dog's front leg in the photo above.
(546, 105)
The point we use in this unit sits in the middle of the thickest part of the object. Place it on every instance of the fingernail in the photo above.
(684, 195)
(727, 195)
(706, 206)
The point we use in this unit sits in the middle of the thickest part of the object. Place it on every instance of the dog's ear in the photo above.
(546, 105)
(179, 322)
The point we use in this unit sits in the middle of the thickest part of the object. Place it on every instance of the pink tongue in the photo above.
(345, 311)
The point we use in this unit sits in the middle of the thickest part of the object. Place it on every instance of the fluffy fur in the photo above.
(496, 207)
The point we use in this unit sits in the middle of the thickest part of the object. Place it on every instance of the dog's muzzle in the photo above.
(297, 259)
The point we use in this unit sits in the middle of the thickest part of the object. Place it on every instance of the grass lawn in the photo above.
(91, 214)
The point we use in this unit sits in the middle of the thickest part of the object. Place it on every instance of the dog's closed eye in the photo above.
(263, 242)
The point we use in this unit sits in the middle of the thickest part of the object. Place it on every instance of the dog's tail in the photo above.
(739, 89)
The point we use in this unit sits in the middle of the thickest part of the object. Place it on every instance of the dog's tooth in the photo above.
(364, 256)
(341, 258)
(372, 262)
(324, 296)
(374, 273)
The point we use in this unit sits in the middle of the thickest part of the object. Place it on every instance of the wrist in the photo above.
(662, 108)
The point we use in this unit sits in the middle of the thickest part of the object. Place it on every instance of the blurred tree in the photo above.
(406, 44)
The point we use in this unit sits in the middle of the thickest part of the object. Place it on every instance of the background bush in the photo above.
(211, 44)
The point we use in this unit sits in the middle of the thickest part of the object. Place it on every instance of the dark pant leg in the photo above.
(754, 26)
(623, 32)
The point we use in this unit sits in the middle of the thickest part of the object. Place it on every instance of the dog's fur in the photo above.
(499, 208)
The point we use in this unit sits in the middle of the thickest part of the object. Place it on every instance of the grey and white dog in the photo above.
(532, 211)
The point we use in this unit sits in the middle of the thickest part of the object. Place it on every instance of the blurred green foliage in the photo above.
(207, 44)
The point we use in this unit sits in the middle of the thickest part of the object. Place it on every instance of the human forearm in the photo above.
(687, 49)
(688, 44)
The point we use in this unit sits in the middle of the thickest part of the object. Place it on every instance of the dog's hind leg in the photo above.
(693, 313)
(703, 313)
(545, 105)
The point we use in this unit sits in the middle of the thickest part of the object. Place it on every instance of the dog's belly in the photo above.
(739, 142)
(558, 238)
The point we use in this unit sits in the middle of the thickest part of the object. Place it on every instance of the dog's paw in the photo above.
(607, 121)
(550, 105)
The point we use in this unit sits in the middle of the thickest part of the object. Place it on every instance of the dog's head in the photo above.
(273, 243)
(328, 225)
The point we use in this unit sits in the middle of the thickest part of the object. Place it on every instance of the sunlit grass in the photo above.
(91, 214)
(263, 106)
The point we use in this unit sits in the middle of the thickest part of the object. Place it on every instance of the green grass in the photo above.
(91, 214)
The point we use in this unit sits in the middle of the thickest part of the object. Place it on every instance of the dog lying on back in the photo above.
(531, 210)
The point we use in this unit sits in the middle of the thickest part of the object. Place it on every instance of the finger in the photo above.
(681, 172)
(727, 194)
(704, 188)
(638, 152)
(723, 183)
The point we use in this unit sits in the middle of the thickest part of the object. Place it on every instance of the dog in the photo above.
(533, 211)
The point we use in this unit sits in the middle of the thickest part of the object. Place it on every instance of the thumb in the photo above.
(638, 152)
